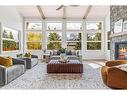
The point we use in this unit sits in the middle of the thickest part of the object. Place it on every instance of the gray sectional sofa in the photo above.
(7, 74)
(31, 62)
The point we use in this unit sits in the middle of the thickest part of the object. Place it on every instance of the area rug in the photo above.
(37, 78)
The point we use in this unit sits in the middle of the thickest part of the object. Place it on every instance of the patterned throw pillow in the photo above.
(122, 67)
(27, 55)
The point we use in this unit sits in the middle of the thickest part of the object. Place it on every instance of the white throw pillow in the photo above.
(122, 67)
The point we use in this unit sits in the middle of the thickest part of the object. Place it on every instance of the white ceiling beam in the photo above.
(41, 12)
(64, 12)
(87, 12)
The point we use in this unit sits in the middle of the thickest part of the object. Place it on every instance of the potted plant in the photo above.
(62, 50)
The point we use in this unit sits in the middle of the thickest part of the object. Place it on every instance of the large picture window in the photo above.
(74, 40)
(54, 40)
(34, 40)
(94, 35)
(54, 35)
(34, 35)
(10, 39)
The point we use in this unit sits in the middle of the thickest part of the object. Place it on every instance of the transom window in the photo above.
(74, 26)
(33, 26)
(54, 26)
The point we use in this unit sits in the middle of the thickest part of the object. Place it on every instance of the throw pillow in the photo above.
(27, 55)
(6, 61)
(122, 67)
(55, 52)
(68, 52)
(73, 52)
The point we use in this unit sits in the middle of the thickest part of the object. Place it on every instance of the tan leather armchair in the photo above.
(113, 76)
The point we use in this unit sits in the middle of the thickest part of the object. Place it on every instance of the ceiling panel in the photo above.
(98, 11)
(77, 11)
(28, 11)
(71, 11)
(50, 11)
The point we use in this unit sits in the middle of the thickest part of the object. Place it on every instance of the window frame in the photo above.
(74, 41)
(19, 39)
(33, 31)
(47, 41)
(94, 31)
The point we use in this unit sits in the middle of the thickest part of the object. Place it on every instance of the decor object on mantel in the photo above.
(125, 25)
(118, 26)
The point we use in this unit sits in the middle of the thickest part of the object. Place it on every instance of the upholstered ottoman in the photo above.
(73, 66)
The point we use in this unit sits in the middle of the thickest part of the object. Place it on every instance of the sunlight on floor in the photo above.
(94, 66)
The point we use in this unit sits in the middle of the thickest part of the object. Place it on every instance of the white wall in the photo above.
(9, 17)
(107, 28)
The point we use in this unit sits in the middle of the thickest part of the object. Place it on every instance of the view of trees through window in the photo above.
(74, 40)
(54, 40)
(10, 39)
(94, 30)
(34, 40)
(73, 35)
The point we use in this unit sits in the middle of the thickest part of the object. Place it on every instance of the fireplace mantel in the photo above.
(118, 34)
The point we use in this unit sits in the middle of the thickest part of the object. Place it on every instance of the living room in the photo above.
(63, 47)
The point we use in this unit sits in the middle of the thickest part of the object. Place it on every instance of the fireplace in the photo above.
(121, 50)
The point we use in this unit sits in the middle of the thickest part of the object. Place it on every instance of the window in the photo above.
(34, 40)
(108, 40)
(34, 35)
(10, 39)
(33, 26)
(94, 30)
(74, 40)
(54, 40)
(54, 26)
(74, 26)
(94, 26)
(54, 35)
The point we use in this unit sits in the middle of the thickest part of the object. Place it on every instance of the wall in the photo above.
(10, 17)
(117, 13)
(107, 28)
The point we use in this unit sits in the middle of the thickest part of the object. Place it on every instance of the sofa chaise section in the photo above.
(7, 74)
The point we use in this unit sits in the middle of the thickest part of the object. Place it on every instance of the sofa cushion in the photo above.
(14, 71)
(68, 52)
(122, 67)
(56, 52)
(6, 61)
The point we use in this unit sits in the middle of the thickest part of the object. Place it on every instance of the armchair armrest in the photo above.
(19, 61)
(34, 56)
(116, 62)
(116, 77)
(3, 75)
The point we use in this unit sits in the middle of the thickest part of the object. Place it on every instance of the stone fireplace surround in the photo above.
(115, 40)
(117, 12)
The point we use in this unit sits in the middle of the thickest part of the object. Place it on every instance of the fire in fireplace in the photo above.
(121, 50)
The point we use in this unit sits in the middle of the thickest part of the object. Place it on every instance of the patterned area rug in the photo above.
(37, 78)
